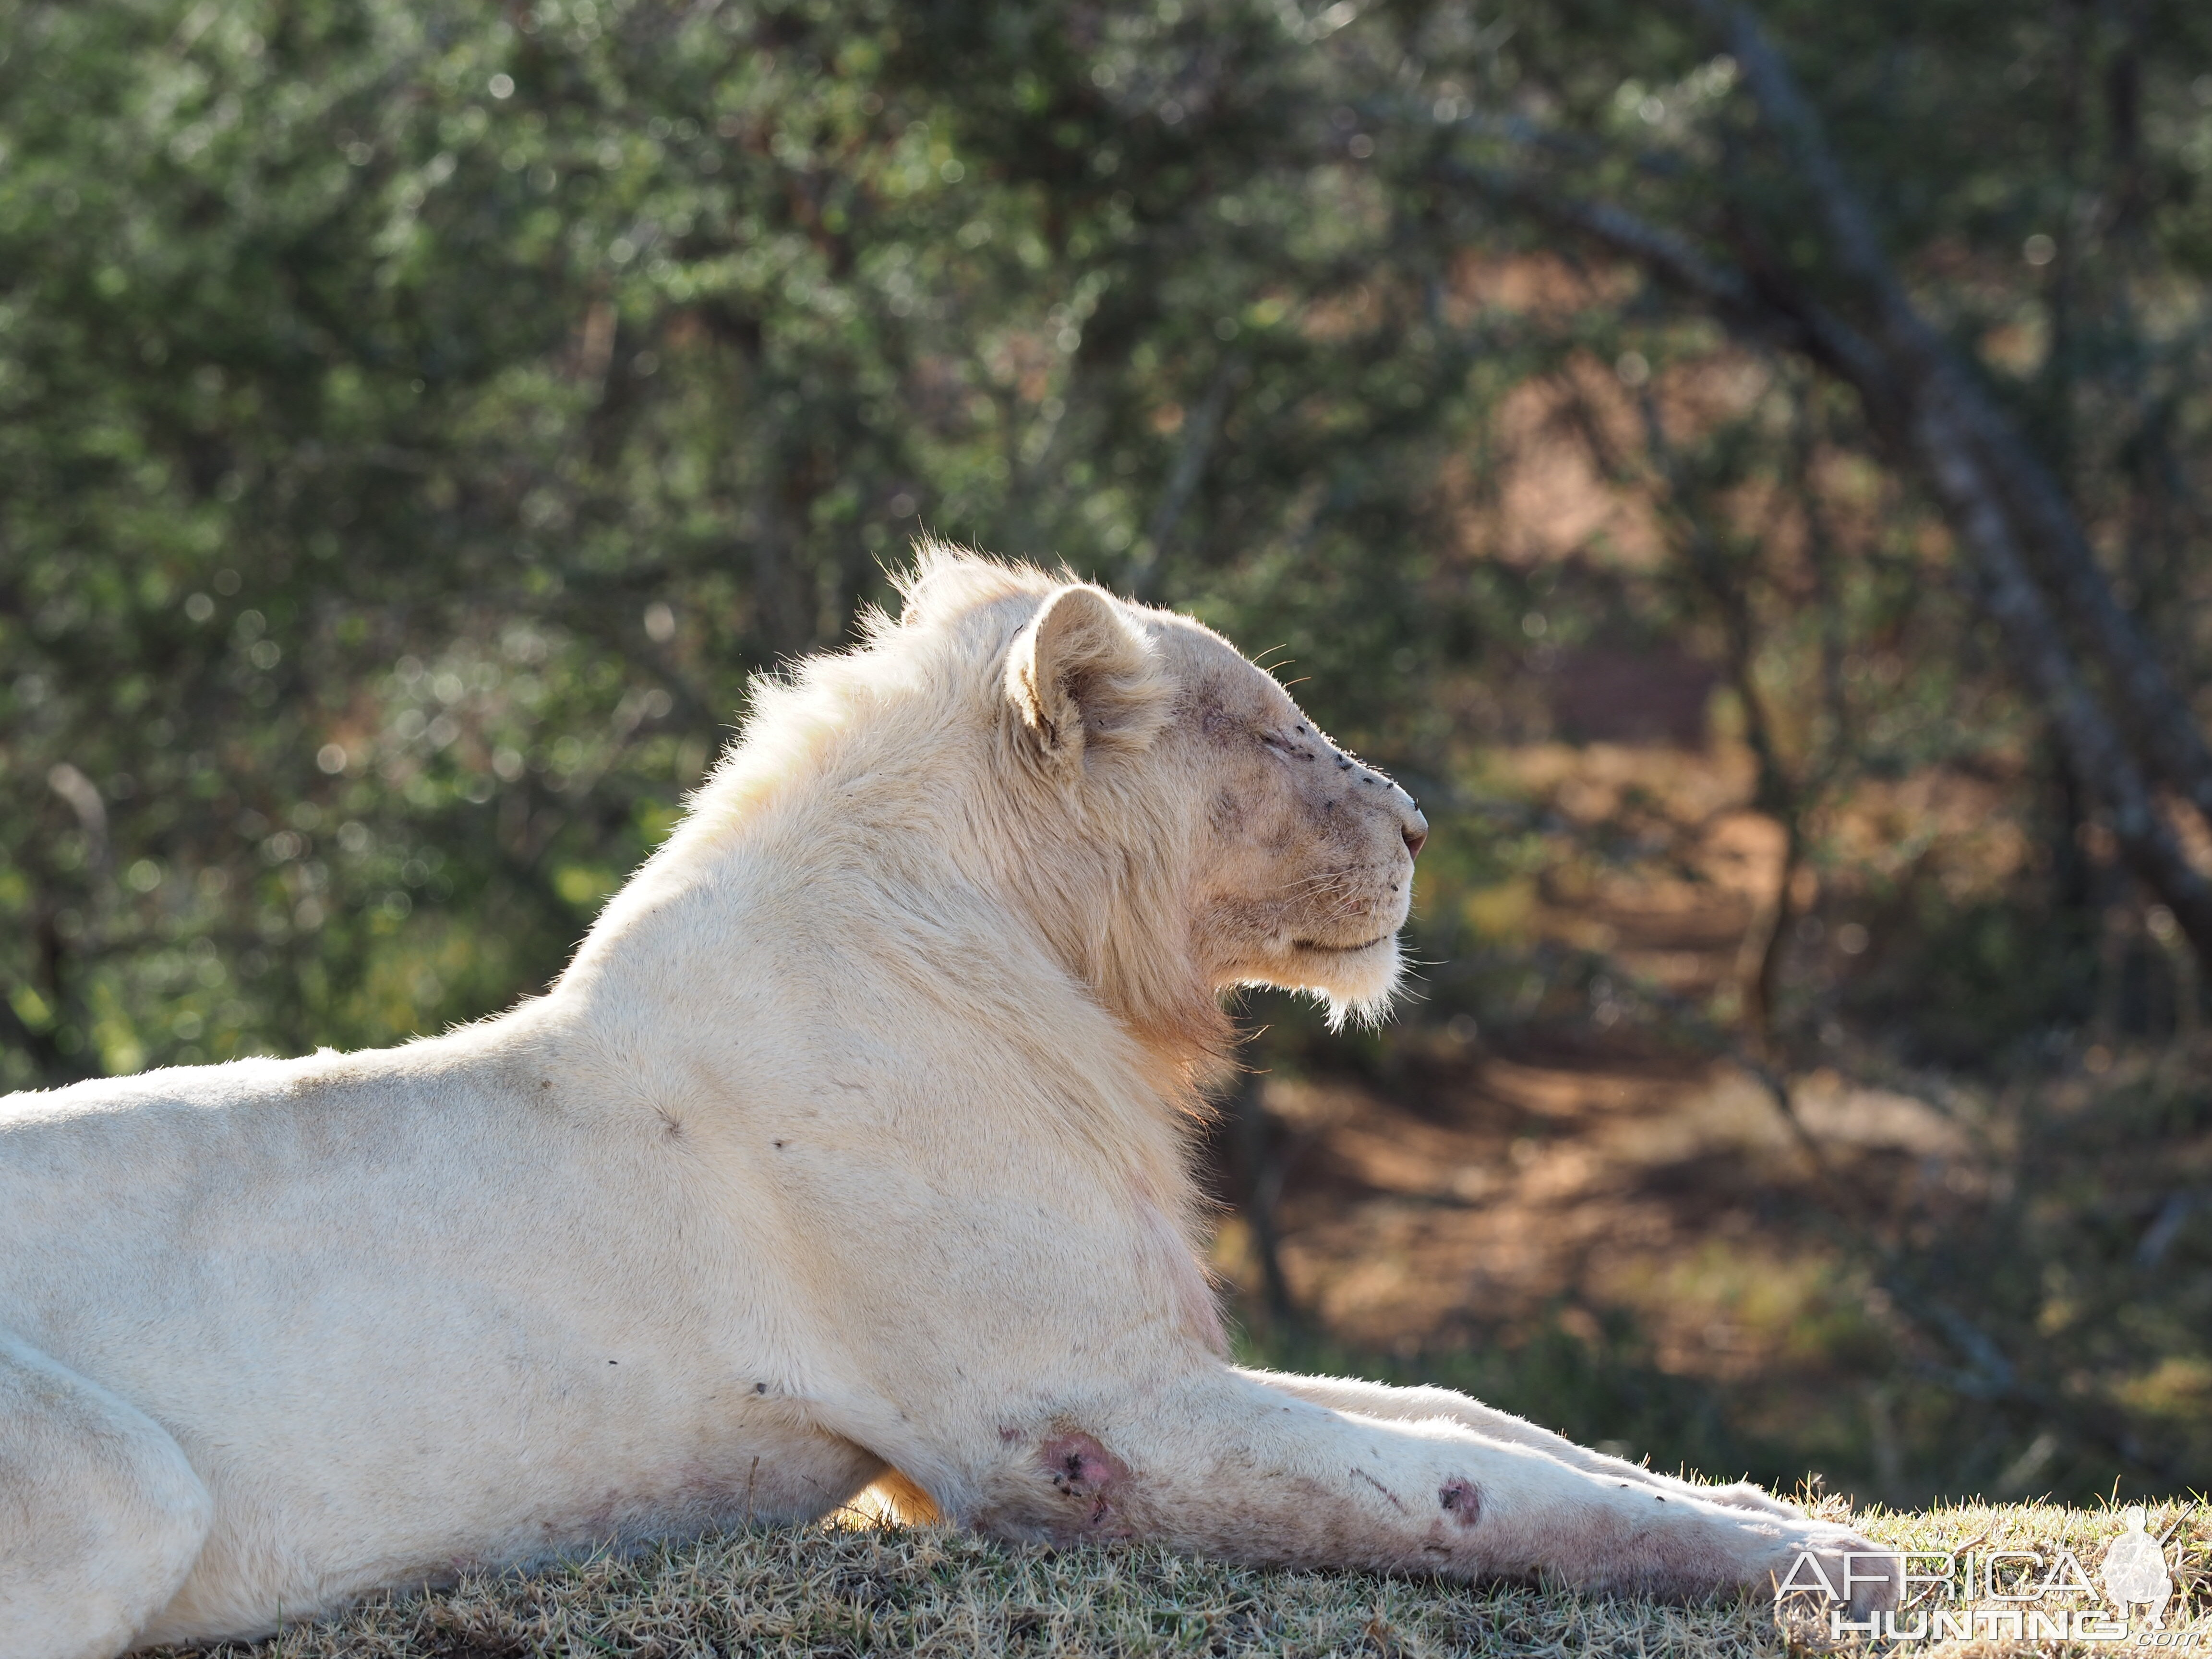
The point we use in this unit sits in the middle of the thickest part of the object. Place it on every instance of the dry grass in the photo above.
(864, 1589)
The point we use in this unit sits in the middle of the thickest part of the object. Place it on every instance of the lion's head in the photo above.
(1189, 829)
(1114, 780)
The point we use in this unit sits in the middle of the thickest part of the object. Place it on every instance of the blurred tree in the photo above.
(1745, 207)
(1984, 232)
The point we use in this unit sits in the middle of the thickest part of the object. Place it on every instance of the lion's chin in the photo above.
(1356, 980)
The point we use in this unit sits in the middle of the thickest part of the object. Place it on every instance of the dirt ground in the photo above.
(1577, 1178)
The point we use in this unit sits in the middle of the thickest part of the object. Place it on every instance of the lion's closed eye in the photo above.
(1279, 743)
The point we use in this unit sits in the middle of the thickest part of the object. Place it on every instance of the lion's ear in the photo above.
(1084, 679)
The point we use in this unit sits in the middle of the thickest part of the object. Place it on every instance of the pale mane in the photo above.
(912, 728)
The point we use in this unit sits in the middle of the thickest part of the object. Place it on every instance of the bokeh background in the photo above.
(1747, 476)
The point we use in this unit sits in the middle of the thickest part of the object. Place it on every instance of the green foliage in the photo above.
(417, 422)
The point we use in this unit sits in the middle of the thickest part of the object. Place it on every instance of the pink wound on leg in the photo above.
(1084, 1470)
(1461, 1501)
(1078, 1463)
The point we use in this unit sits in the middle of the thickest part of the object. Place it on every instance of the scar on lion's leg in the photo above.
(1463, 1500)
(1380, 1487)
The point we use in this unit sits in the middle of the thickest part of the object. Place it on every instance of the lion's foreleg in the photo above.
(100, 1516)
(1225, 1466)
(1423, 1404)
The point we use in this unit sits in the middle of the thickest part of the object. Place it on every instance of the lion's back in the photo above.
(130, 1206)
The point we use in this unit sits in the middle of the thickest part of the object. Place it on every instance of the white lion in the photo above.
(849, 1150)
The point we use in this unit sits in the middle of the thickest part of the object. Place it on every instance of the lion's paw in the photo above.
(1822, 1564)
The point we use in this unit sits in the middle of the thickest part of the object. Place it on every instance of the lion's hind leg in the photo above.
(102, 1516)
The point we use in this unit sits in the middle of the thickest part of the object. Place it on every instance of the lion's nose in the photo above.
(1416, 832)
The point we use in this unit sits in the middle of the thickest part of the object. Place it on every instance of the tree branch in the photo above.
(2092, 748)
(1200, 429)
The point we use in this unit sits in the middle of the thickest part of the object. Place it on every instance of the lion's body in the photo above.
(326, 1281)
(850, 1144)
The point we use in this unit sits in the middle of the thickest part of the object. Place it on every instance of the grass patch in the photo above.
(781, 1593)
